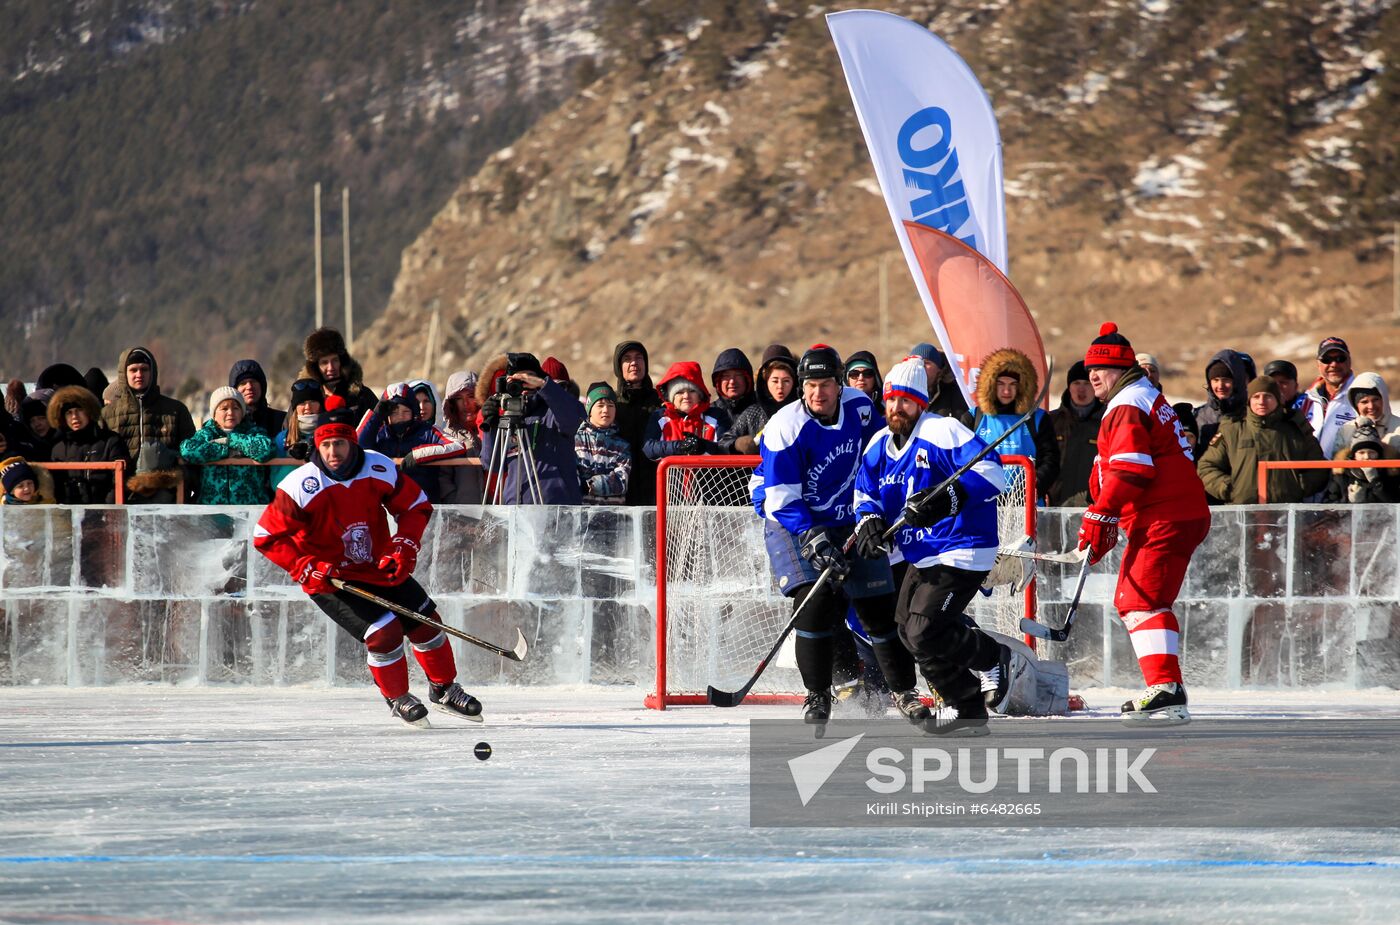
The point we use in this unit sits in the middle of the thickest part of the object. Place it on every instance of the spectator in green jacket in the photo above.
(1268, 432)
(228, 435)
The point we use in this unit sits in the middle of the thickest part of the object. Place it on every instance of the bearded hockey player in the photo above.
(1144, 481)
(949, 540)
(804, 488)
(327, 520)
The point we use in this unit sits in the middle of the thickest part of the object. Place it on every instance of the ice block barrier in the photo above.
(1277, 597)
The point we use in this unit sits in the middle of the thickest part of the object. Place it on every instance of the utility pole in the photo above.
(345, 247)
(1395, 268)
(320, 308)
(430, 352)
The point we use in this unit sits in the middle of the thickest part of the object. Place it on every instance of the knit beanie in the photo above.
(908, 378)
(1218, 370)
(1076, 373)
(16, 472)
(1147, 359)
(335, 420)
(1366, 438)
(222, 394)
(304, 390)
(1265, 384)
(597, 392)
(927, 351)
(1110, 349)
(678, 385)
(555, 369)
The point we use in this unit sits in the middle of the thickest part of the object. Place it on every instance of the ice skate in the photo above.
(967, 718)
(451, 699)
(1159, 705)
(910, 705)
(409, 709)
(996, 681)
(816, 710)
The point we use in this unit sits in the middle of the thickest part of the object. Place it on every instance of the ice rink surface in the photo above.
(182, 805)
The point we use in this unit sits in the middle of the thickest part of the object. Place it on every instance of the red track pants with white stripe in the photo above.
(1154, 565)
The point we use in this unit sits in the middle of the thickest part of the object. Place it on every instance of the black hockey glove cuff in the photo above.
(926, 508)
(870, 537)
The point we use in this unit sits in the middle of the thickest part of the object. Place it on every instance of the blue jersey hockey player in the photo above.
(949, 540)
(805, 490)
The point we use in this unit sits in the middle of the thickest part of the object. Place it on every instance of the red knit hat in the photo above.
(555, 369)
(334, 421)
(1110, 349)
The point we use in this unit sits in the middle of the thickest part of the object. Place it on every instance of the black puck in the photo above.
(482, 751)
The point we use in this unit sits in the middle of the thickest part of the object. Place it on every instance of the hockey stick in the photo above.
(986, 450)
(719, 698)
(1069, 557)
(516, 654)
(1041, 631)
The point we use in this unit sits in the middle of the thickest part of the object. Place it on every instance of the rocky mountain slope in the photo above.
(1205, 174)
(158, 160)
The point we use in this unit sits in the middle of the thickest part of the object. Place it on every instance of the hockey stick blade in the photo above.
(517, 653)
(1041, 631)
(719, 698)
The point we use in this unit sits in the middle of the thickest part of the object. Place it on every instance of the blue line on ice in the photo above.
(686, 859)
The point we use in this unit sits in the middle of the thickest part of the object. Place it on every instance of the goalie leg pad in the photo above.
(1037, 687)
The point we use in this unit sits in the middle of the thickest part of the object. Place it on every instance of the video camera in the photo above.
(512, 391)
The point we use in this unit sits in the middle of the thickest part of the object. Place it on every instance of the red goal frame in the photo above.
(661, 698)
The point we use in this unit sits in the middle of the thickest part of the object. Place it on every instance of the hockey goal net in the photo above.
(718, 610)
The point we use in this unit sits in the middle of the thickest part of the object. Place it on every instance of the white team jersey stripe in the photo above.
(949, 434)
(306, 480)
(1154, 642)
(1140, 395)
(1141, 459)
(776, 497)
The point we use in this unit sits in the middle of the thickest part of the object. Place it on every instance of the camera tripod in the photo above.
(511, 439)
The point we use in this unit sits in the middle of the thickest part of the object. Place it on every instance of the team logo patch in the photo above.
(865, 412)
(378, 468)
(358, 547)
(310, 485)
(921, 458)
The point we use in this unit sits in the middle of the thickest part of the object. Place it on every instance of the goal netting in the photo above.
(718, 610)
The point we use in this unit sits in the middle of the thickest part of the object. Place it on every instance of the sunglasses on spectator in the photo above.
(861, 374)
(1334, 358)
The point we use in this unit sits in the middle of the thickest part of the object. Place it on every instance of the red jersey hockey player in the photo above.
(326, 520)
(1143, 476)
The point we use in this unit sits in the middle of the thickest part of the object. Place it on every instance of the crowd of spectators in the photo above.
(522, 431)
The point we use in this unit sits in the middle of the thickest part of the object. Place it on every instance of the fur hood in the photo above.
(148, 483)
(1001, 361)
(73, 395)
(486, 384)
(43, 479)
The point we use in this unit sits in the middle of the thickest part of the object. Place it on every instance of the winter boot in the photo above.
(1159, 705)
(965, 718)
(450, 698)
(911, 706)
(409, 709)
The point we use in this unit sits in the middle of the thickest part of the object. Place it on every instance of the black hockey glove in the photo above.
(925, 508)
(818, 549)
(870, 537)
(490, 413)
(300, 450)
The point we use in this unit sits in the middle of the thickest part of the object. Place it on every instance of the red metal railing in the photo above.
(1265, 467)
(117, 466)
